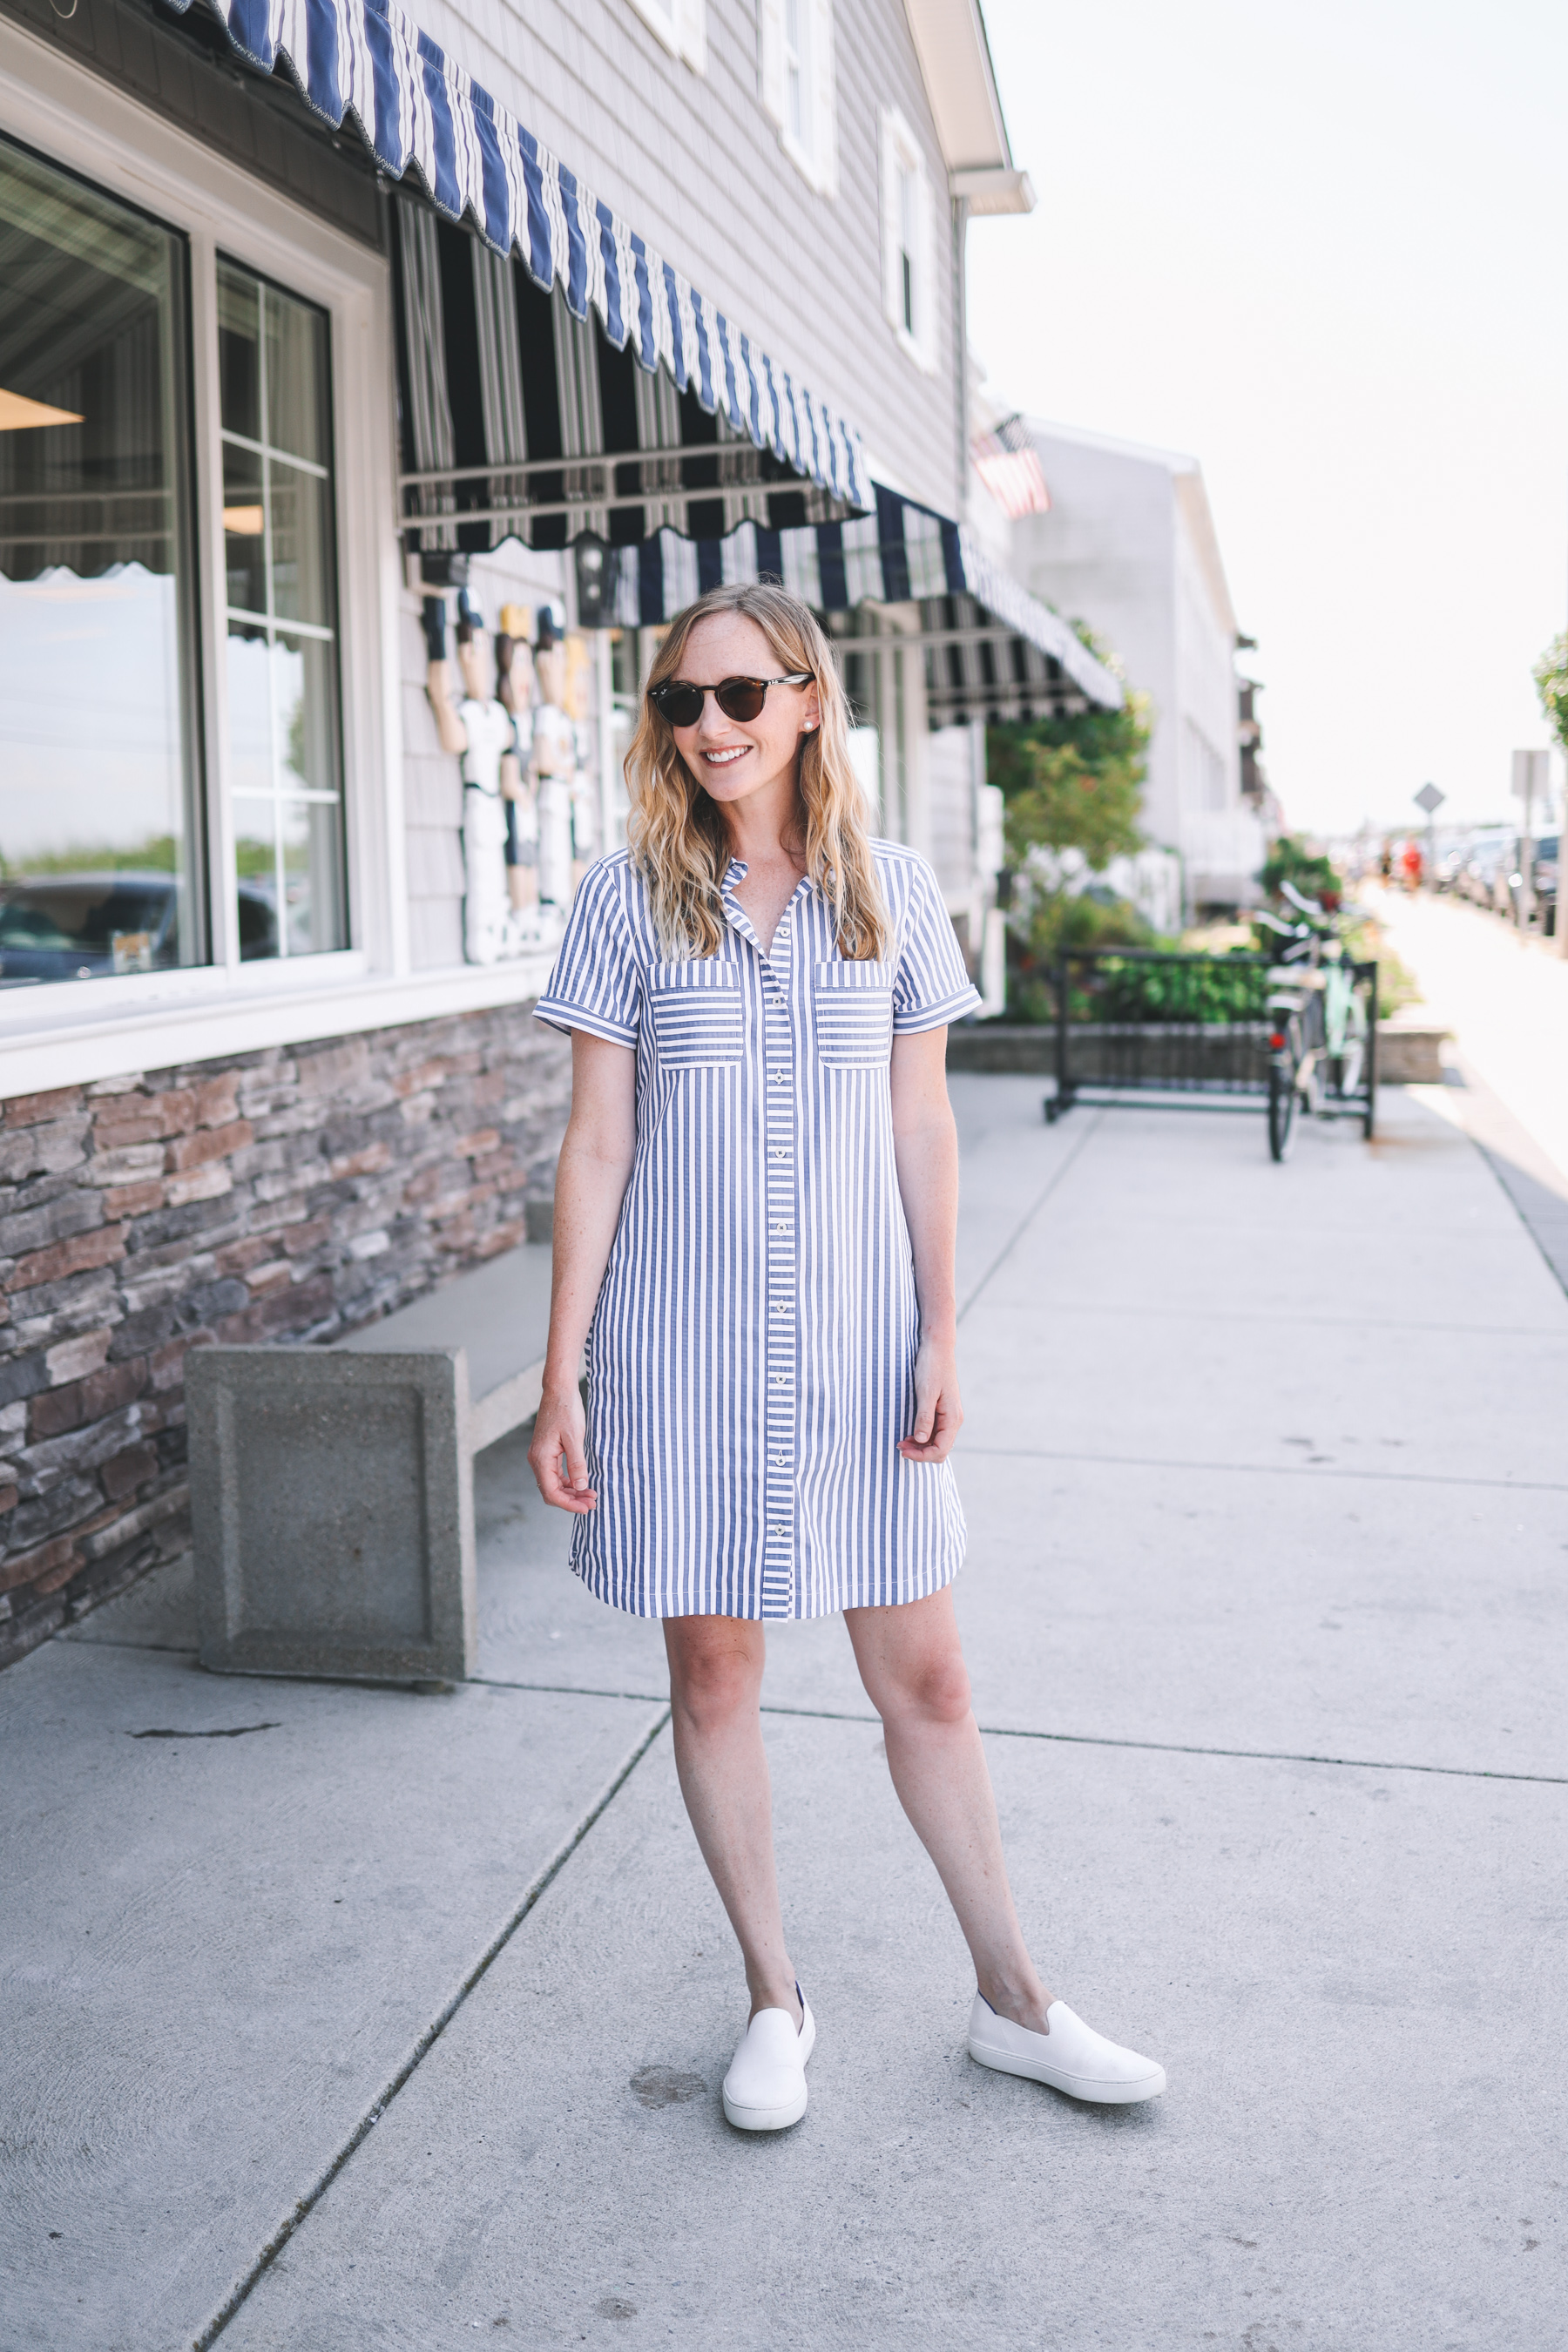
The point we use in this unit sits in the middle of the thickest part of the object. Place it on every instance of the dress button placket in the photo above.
(778, 1556)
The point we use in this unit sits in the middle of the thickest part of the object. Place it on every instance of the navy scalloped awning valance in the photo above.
(420, 113)
(994, 652)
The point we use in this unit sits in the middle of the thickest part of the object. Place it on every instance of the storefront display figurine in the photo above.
(479, 730)
(553, 766)
(515, 687)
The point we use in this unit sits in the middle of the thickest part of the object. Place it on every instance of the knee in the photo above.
(711, 1686)
(933, 1691)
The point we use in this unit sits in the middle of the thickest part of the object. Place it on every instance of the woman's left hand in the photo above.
(938, 1413)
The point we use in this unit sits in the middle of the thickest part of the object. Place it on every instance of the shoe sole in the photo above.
(775, 2118)
(761, 2119)
(1076, 2086)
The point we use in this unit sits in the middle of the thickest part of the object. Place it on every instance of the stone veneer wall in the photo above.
(286, 1196)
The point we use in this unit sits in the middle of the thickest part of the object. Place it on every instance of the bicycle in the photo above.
(1321, 1032)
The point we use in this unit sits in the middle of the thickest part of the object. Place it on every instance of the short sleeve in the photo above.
(596, 984)
(932, 986)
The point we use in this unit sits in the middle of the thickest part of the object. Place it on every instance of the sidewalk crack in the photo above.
(242, 2288)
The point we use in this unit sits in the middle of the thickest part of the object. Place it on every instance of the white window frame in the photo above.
(85, 1029)
(909, 207)
(680, 25)
(808, 136)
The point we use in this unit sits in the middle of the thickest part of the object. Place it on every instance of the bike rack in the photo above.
(1162, 1030)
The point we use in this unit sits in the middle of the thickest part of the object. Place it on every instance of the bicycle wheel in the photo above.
(1281, 1108)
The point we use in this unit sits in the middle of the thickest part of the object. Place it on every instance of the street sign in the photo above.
(1430, 799)
(1531, 775)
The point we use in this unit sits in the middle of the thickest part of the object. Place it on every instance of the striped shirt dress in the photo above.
(750, 1362)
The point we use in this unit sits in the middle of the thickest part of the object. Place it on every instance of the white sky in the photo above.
(1320, 249)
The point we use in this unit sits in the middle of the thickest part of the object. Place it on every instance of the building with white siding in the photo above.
(1128, 546)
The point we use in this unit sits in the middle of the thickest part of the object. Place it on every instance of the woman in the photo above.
(754, 1227)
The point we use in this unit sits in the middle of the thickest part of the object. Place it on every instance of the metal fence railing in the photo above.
(1144, 1021)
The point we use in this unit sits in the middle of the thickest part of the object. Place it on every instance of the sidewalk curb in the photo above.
(238, 2294)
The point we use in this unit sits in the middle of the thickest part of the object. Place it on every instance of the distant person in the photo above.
(1410, 864)
(755, 1220)
(1386, 863)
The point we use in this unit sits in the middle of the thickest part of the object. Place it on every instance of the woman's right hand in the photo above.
(558, 1448)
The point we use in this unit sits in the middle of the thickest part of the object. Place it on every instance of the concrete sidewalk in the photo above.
(1265, 1608)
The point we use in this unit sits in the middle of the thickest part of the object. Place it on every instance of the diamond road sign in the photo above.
(1429, 798)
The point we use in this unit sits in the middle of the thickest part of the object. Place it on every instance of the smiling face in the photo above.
(732, 759)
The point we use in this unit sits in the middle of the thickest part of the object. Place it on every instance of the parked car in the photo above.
(88, 926)
(1450, 865)
(1478, 878)
(1548, 850)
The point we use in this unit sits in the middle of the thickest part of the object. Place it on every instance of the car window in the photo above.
(81, 917)
(257, 925)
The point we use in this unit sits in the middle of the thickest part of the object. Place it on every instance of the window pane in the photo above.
(302, 546)
(99, 847)
(250, 722)
(244, 529)
(297, 413)
(305, 676)
(312, 879)
(284, 728)
(239, 353)
(256, 865)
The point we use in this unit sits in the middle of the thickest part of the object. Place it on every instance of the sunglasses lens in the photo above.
(740, 697)
(681, 705)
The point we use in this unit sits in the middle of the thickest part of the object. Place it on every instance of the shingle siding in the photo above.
(694, 164)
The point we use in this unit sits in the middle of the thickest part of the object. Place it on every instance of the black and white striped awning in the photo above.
(522, 421)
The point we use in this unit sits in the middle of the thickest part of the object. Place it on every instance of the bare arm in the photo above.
(449, 727)
(590, 1185)
(925, 1149)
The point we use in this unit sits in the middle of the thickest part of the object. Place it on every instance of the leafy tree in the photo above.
(1552, 685)
(1073, 782)
(1289, 859)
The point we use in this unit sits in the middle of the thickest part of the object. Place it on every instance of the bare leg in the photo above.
(912, 1667)
(715, 1680)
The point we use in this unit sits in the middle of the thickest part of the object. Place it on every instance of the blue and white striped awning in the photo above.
(421, 115)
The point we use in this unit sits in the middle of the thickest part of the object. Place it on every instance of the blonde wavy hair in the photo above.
(677, 838)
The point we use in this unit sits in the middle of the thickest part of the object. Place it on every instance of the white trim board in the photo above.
(119, 1045)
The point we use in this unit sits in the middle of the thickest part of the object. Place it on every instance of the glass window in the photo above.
(798, 116)
(99, 848)
(908, 231)
(284, 745)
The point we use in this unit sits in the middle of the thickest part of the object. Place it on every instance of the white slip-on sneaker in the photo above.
(1071, 2057)
(764, 2089)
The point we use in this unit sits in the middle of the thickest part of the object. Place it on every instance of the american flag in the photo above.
(1009, 465)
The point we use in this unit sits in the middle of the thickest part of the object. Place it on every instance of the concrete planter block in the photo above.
(1410, 1053)
(332, 1512)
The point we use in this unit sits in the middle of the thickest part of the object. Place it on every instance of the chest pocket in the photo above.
(698, 1014)
(854, 1015)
